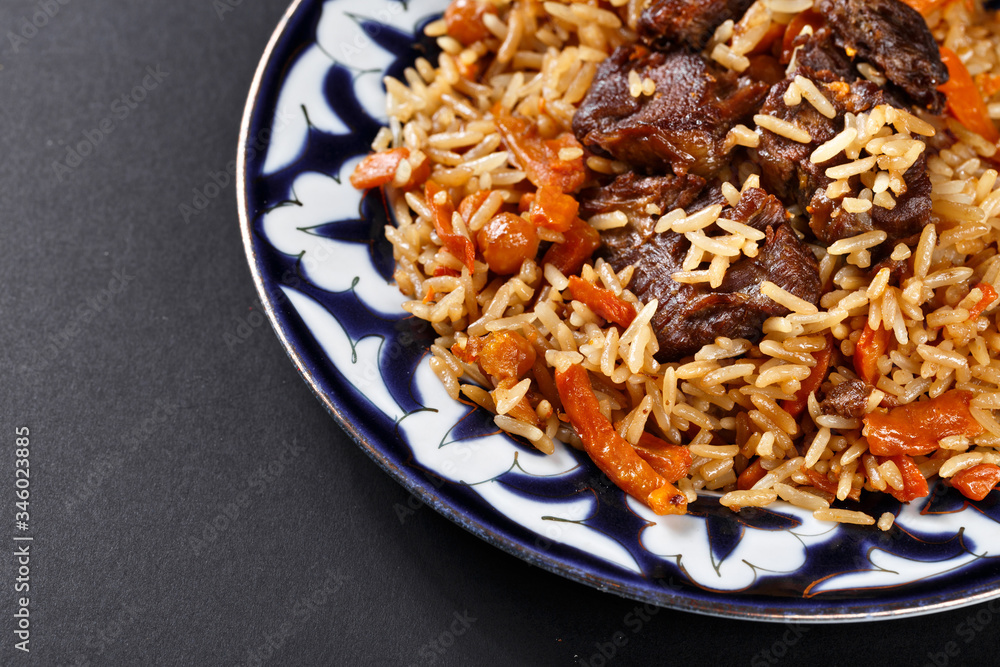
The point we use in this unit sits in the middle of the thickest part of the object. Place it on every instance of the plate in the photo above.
(324, 274)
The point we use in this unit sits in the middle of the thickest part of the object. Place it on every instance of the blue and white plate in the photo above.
(324, 271)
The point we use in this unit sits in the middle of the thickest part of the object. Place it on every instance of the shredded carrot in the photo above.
(872, 344)
(581, 240)
(927, 7)
(809, 18)
(914, 482)
(915, 428)
(602, 301)
(611, 452)
(507, 355)
(964, 100)
(824, 483)
(540, 157)
(989, 296)
(795, 406)
(775, 33)
(469, 353)
(750, 476)
(458, 245)
(976, 482)
(471, 203)
(378, 168)
(522, 410)
(464, 19)
(552, 209)
(671, 461)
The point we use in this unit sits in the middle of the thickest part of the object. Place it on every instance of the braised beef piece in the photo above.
(848, 399)
(664, 23)
(894, 38)
(681, 126)
(787, 170)
(912, 211)
(631, 193)
(690, 316)
(784, 163)
(818, 52)
(900, 270)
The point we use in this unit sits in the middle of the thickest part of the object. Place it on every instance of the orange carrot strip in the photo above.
(824, 483)
(671, 461)
(766, 43)
(471, 203)
(464, 19)
(926, 7)
(458, 245)
(989, 296)
(795, 406)
(552, 209)
(915, 428)
(540, 157)
(872, 345)
(506, 355)
(611, 452)
(581, 242)
(809, 17)
(602, 301)
(750, 476)
(378, 168)
(469, 353)
(914, 482)
(976, 482)
(522, 410)
(964, 100)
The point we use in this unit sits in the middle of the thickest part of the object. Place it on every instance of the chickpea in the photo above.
(506, 241)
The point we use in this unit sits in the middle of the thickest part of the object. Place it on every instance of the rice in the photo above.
(786, 299)
(844, 516)
(735, 500)
(733, 404)
(783, 128)
(815, 97)
(856, 243)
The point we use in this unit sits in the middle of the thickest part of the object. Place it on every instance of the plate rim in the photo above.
(747, 611)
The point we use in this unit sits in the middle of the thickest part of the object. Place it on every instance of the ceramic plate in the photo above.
(324, 272)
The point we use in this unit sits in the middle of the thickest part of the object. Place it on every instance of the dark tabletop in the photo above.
(191, 502)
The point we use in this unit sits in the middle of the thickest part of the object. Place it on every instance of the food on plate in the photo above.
(729, 245)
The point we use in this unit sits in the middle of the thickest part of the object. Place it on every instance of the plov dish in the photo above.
(740, 247)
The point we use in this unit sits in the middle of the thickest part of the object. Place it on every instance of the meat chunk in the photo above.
(681, 126)
(690, 316)
(785, 165)
(664, 23)
(912, 211)
(847, 399)
(819, 52)
(787, 170)
(894, 38)
(631, 194)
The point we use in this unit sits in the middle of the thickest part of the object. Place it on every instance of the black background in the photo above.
(146, 422)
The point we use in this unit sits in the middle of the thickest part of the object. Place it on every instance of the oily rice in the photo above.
(732, 405)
